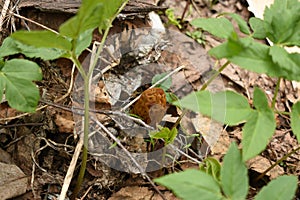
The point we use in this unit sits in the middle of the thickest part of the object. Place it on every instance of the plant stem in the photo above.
(282, 112)
(105, 34)
(214, 75)
(86, 78)
(276, 163)
(276, 93)
(85, 138)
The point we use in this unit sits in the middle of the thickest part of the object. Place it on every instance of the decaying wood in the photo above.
(71, 6)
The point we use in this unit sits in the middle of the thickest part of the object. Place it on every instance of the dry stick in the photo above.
(70, 86)
(34, 22)
(3, 13)
(106, 112)
(196, 8)
(32, 181)
(155, 84)
(71, 170)
(184, 11)
(21, 115)
(143, 173)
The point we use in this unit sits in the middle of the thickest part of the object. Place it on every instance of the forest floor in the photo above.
(41, 144)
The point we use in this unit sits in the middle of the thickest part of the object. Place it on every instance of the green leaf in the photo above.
(2, 86)
(166, 134)
(191, 184)
(83, 41)
(258, 28)
(220, 27)
(110, 8)
(212, 167)
(92, 14)
(234, 177)
(241, 23)
(282, 188)
(11, 46)
(226, 107)
(45, 39)
(282, 22)
(288, 63)
(260, 101)
(295, 120)
(16, 80)
(258, 57)
(259, 128)
(88, 17)
(166, 84)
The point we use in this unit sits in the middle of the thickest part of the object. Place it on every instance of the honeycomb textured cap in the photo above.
(151, 106)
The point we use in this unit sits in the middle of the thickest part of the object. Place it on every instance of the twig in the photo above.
(25, 124)
(3, 13)
(70, 86)
(32, 181)
(185, 154)
(196, 8)
(155, 84)
(105, 112)
(22, 115)
(188, 2)
(86, 193)
(34, 22)
(71, 170)
(143, 173)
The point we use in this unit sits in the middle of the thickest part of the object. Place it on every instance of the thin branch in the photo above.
(3, 13)
(70, 86)
(143, 173)
(21, 115)
(71, 170)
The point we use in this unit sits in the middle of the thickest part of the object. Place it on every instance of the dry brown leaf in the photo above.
(13, 182)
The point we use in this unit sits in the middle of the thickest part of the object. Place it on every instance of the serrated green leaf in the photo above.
(11, 47)
(234, 177)
(232, 48)
(16, 80)
(191, 184)
(227, 107)
(241, 23)
(259, 128)
(288, 63)
(282, 22)
(212, 167)
(295, 120)
(22, 69)
(220, 27)
(45, 39)
(282, 188)
(166, 84)
(256, 57)
(258, 28)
